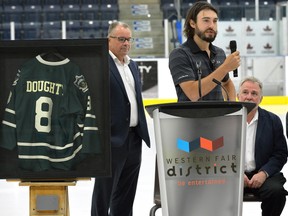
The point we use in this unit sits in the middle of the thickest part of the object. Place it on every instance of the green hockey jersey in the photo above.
(49, 117)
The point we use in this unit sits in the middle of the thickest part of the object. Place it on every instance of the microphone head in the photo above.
(233, 46)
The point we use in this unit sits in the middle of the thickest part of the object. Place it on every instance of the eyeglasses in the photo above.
(123, 39)
(253, 93)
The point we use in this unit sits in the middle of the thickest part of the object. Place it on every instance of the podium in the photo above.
(200, 156)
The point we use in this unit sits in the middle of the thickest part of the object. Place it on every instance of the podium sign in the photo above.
(200, 157)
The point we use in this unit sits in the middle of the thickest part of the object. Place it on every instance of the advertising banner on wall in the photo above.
(253, 38)
(149, 78)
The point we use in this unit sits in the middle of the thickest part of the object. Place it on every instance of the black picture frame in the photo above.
(92, 57)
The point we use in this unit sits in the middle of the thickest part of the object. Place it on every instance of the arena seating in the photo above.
(28, 14)
(41, 19)
(91, 29)
(229, 10)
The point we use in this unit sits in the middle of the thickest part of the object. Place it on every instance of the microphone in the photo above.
(198, 65)
(219, 83)
(233, 47)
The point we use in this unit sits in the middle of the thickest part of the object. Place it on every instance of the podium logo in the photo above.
(209, 145)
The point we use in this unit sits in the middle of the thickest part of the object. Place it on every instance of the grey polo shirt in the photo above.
(183, 67)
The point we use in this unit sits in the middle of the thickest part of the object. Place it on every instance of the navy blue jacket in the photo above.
(120, 106)
(270, 144)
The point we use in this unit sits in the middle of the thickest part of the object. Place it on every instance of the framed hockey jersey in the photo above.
(55, 120)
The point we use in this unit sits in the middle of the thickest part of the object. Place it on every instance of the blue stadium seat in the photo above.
(33, 2)
(215, 2)
(249, 12)
(12, 13)
(91, 29)
(187, 4)
(184, 9)
(1, 14)
(267, 10)
(109, 1)
(5, 31)
(71, 2)
(230, 14)
(32, 13)
(91, 2)
(229, 3)
(162, 2)
(13, 2)
(248, 7)
(230, 11)
(109, 11)
(52, 13)
(71, 12)
(52, 30)
(73, 29)
(169, 11)
(247, 3)
(188, 1)
(90, 11)
(52, 2)
(267, 13)
(31, 30)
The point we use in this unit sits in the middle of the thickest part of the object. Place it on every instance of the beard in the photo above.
(202, 35)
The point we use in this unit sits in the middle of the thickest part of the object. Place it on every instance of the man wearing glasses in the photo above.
(115, 195)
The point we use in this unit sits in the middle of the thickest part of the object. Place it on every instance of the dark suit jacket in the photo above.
(270, 144)
(120, 106)
(287, 124)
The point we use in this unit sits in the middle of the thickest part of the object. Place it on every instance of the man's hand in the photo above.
(246, 181)
(257, 180)
(232, 61)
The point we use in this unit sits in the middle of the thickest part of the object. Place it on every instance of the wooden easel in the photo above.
(48, 198)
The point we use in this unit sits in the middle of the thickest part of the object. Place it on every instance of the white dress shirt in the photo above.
(129, 84)
(250, 164)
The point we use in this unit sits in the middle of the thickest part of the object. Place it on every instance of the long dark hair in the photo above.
(192, 14)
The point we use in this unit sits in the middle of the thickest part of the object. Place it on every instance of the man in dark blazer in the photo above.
(266, 151)
(115, 195)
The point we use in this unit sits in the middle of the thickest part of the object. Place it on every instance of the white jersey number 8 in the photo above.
(43, 115)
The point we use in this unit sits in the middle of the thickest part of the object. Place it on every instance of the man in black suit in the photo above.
(265, 152)
(116, 194)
